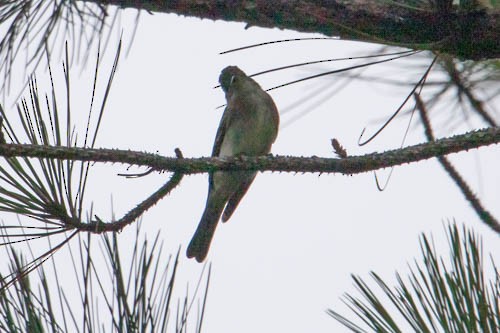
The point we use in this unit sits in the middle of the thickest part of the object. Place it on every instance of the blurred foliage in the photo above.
(135, 295)
(455, 297)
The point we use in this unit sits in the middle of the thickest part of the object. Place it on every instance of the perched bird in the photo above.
(248, 127)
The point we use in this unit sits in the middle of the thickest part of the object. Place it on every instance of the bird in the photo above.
(249, 126)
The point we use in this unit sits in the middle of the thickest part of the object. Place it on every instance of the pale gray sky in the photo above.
(287, 253)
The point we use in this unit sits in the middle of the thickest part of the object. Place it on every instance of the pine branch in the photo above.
(470, 33)
(348, 165)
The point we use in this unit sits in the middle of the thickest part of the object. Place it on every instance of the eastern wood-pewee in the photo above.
(249, 127)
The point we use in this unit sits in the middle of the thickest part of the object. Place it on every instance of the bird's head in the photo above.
(232, 76)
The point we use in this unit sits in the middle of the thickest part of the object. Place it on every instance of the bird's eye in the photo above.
(232, 80)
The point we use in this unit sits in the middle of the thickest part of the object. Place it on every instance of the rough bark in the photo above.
(467, 34)
(348, 165)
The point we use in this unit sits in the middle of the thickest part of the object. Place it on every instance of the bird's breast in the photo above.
(252, 129)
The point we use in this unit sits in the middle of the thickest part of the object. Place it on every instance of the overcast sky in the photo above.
(288, 252)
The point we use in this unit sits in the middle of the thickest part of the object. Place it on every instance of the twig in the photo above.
(483, 214)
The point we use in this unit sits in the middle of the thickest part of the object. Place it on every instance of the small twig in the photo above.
(2, 138)
(483, 214)
(339, 149)
(463, 88)
(419, 84)
(137, 175)
(99, 226)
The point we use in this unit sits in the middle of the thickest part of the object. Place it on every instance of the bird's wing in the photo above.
(235, 199)
(219, 137)
(221, 131)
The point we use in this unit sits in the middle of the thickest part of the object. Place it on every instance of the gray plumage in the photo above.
(249, 127)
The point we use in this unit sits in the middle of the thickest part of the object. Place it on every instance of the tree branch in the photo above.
(469, 195)
(470, 34)
(349, 165)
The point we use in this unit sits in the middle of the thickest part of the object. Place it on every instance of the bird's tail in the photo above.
(200, 243)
